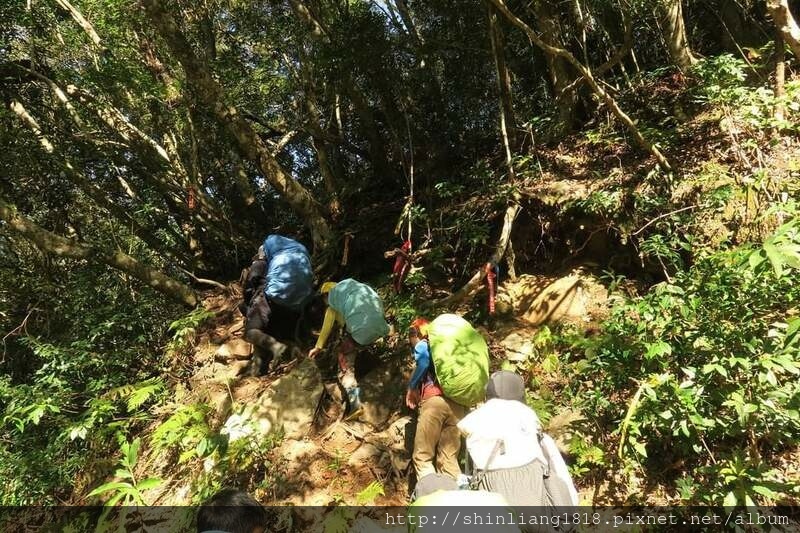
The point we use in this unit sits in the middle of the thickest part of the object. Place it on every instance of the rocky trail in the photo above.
(322, 460)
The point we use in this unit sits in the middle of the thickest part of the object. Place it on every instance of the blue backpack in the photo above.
(290, 279)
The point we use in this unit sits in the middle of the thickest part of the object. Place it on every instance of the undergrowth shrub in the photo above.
(457, 230)
(74, 383)
(725, 81)
(699, 378)
(239, 455)
(208, 458)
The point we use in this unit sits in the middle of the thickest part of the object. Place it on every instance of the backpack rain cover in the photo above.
(290, 280)
(460, 357)
(362, 310)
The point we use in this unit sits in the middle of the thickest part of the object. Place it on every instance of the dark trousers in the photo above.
(266, 323)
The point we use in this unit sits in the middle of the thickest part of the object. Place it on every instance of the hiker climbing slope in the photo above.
(452, 367)
(437, 440)
(512, 455)
(279, 282)
(355, 315)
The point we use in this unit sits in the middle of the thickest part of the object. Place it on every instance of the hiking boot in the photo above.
(259, 363)
(280, 351)
(354, 406)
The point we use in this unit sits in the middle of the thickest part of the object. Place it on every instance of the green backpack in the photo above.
(460, 357)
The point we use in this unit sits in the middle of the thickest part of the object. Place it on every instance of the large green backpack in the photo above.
(460, 358)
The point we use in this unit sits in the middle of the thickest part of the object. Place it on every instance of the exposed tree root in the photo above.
(475, 282)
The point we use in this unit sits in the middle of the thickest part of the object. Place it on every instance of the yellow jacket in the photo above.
(332, 317)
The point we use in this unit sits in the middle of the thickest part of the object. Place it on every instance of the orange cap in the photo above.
(421, 325)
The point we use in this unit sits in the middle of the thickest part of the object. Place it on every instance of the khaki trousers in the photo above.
(438, 440)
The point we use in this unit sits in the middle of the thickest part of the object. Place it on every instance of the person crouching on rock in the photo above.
(280, 281)
(355, 311)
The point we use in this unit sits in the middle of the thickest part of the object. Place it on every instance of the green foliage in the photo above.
(747, 483)
(714, 356)
(782, 250)
(723, 81)
(665, 249)
(184, 328)
(336, 463)
(404, 307)
(604, 137)
(370, 493)
(602, 203)
(184, 430)
(136, 394)
(446, 190)
(589, 457)
(543, 353)
(84, 369)
(239, 454)
(235, 454)
(461, 227)
(129, 491)
(99, 416)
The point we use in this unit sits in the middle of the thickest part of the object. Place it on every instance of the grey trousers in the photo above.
(526, 487)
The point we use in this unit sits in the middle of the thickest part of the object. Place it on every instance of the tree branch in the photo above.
(612, 62)
(63, 247)
(210, 93)
(81, 20)
(475, 282)
(101, 197)
(586, 73)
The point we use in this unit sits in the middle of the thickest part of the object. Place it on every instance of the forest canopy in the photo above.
(150, 145)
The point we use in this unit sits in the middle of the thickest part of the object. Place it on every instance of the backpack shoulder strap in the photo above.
(547, 459)
(476, 481)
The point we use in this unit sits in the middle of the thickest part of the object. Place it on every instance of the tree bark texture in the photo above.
(674, 30)
(564, 92)
(56, 244)
(786, 24)
(508, 125)
(780, 77)
(210, 93)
